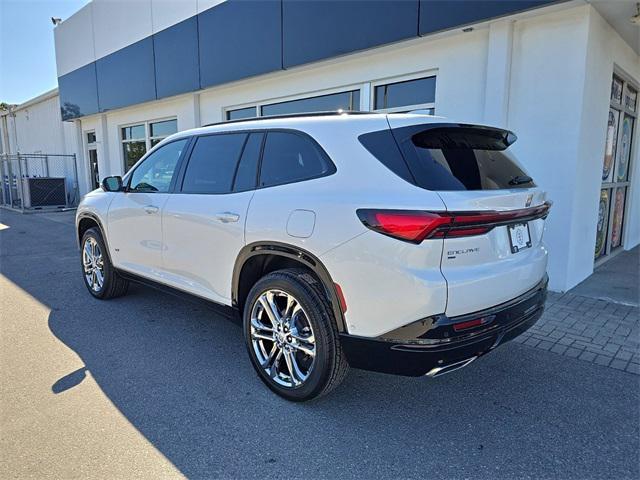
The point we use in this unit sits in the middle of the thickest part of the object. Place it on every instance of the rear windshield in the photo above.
(449, 157)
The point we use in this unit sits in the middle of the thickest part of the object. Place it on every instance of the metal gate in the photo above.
(38, 181)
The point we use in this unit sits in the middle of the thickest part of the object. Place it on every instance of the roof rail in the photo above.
(292, 115)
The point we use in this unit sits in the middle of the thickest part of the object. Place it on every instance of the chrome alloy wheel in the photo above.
(93, 264)
(282, 338)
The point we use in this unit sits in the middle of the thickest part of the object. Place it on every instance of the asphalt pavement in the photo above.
(153, 386)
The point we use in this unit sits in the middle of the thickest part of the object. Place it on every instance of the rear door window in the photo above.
(450, 157)
(292, 157)
(212, 164)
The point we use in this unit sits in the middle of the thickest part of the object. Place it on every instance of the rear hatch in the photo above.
(494, 223)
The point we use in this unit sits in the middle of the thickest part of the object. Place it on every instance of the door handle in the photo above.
(151, 209)
(227, 217)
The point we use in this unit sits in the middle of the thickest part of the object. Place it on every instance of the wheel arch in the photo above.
(84, 222)
(259, 258)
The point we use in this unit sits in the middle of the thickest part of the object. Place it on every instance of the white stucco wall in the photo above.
(36, 127)
(605, 51)
(547, 81)
(560, 86)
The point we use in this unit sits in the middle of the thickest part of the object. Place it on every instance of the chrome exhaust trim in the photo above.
(437, 371)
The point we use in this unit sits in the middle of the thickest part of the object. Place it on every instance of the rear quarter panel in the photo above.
(387, 283)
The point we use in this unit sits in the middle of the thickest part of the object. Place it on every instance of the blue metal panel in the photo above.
(436, 15)
(126, 77)
(78, 92)
(239, 39)
(314, 29)
(242, 38)
(176, 59)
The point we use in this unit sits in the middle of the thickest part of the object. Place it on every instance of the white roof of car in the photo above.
(288, 121)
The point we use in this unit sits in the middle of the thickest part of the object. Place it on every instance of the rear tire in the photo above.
(291, 336)
(100, 278)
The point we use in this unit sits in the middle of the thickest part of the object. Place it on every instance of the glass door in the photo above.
(616, 169)
(92, 155)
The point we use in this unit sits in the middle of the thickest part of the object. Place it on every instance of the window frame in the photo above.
(184, 161)
(280, 102)
(300, 96)
(366, 90)
(127, 178)
(147, 138)
(398, 79)
(227, 110)
(160, 137)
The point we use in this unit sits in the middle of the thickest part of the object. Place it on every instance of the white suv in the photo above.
(400, 243)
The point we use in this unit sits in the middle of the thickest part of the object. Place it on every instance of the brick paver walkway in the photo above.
(592, 330)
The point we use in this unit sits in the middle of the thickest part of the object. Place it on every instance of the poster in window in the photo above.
(603, 220)
(618, 215)
(616, 90)
(625, 149)
(630, 98)
(610, 145)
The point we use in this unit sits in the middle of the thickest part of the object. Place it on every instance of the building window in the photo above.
(330, 102)
(616, 166)
(134, 144)
(161, 130)
(138, 139)
(323, 103)
(241, 113)
(403, 96)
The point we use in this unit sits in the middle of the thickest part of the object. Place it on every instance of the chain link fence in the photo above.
(38, 181)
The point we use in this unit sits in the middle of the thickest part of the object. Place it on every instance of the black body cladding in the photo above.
(416, 349)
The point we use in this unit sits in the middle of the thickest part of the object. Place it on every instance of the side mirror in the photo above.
(112, 184)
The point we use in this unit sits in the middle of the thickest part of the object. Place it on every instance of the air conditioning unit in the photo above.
(45, 192)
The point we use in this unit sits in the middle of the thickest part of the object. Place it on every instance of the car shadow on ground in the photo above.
(181, 376)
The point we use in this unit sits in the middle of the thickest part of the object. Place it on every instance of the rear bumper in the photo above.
(439, 344)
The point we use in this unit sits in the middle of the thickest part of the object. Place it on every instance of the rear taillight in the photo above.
(415, 226)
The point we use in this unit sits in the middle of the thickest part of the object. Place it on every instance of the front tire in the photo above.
(100, 278)
(291, 336)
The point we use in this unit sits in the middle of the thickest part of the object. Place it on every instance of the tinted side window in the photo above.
(247, 173)
(462, 158)
(449, 157)
(290, 157)
(383, 146)
(156, 172)
(212, 163)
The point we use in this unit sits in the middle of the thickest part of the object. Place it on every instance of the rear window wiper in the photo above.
(520, 179)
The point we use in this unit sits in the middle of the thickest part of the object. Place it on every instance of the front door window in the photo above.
(155, 173)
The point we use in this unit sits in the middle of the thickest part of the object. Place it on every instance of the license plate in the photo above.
(519, 237)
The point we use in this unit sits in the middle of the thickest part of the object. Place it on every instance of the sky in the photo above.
(27, 53)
